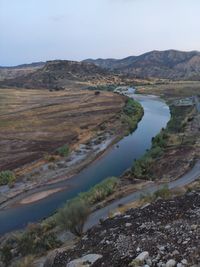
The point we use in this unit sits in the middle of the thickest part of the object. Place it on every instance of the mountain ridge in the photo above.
(168, 64)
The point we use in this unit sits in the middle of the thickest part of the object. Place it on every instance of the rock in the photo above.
(50, 258)
(149, 261)
(128, 224)
(145, 206)
(175, 252)
(117, 213)
(143, 256)
(140, 259)
(171, 263)
(194, 227)
(85, 261)
(184, 262)
(161, 248)
(138, 249)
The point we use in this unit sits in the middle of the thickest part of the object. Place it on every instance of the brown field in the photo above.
(172, 89)
(35, 122)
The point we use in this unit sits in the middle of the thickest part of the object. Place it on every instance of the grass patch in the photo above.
(163, 193)
(100, 191)
(7, 178)
(63, 151)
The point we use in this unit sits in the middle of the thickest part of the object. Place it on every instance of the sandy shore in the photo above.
(38, 196)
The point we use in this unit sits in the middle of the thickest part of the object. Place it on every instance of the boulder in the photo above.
(171, 263)
(143, 256)
(85, 261)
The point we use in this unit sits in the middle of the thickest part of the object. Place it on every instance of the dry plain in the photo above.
(34, 123)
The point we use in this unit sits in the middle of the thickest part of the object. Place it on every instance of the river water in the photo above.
(112, 163)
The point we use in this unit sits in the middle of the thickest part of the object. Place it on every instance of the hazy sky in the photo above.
(36, 30)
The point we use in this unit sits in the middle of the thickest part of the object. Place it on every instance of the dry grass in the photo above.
(172, 89)
(34, 122)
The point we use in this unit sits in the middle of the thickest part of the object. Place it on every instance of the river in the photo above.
(112, 163)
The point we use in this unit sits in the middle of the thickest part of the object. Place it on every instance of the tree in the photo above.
(73, 216)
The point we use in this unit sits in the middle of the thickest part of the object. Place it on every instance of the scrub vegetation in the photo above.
(132, 114)
(7, 177)
(171, 136)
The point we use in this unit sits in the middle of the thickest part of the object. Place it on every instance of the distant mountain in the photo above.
(59, 73)
(16, 71)
(170, 64)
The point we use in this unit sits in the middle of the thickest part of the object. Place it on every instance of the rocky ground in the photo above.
(164, 233)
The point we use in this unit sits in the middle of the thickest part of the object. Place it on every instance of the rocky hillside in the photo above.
(165, 233)
(170, 64)
(59, 73)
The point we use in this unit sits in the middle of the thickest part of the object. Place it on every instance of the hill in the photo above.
(61, 73)
(20, 70)
(170, 64)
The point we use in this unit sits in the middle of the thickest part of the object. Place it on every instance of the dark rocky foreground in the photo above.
(164, 233)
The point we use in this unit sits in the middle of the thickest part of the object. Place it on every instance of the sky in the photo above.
(40, 30)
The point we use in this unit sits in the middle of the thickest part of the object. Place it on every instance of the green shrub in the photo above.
(100, 191)
(142, 166)
(164, 192)
(63, 151)
(73, 216)
(6, 255)
(132, 113)
(7, 177)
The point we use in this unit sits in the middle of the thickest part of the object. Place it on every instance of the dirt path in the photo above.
(103, 213)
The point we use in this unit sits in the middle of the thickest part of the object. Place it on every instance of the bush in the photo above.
(7, 177)
(26, 262)
(132, 113)
(36, 240)
(6, 255)
(100, 191)
(73, 216)
(164, 192)
(142, 166)
(63, 151)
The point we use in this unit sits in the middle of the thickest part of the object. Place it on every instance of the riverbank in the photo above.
(121, 153)
(113, 163)
(140, 188)
(54, 172)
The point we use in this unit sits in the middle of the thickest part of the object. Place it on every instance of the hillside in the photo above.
(60, 73)
(20, 70)
(164, 233)
(35, 122)
(170, 64)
